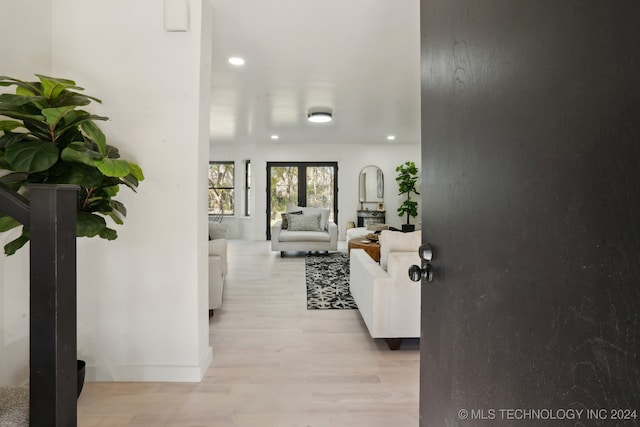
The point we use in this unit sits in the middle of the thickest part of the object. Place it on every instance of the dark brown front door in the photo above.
(531, 200)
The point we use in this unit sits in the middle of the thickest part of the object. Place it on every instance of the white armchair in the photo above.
(388, 301)
(308, 229)
(217, 264)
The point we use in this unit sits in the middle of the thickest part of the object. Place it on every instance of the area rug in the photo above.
(328, 282)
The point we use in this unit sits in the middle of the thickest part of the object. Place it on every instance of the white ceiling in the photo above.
(361, 58)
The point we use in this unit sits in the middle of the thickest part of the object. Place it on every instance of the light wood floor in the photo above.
(275, 363)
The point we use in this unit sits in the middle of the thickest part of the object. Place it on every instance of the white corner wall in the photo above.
(23, 53)
(142, 298)
(351, 159)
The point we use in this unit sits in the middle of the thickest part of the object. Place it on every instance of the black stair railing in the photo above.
(50, 215)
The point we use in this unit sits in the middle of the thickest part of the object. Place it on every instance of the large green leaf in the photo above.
(11, 138)
(112, 167)
(31, 156)
(77, 120)
(7, 222)
(72, 98)
(54, 115)
(52, 87)
(109, 234)
(79, 174)
(24, 91)
(136, 171)
(8, 100)
(17, 114)
(130, 181)
(118, 207)
(115, 217)
(89, 225)
(7, 125)
(112, 152)
(78, 152)
(93, 132)
(38, 128)
(30, 87)
(11, 247)
(111, 191)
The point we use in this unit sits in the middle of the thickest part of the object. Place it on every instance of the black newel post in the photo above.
(53, 347)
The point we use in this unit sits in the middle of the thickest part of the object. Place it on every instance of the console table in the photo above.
(370, 217)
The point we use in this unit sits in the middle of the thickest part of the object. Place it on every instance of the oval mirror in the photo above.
(371, 185)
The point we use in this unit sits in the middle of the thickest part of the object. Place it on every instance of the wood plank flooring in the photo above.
(275, 363)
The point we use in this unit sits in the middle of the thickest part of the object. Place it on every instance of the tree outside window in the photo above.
(221, 188)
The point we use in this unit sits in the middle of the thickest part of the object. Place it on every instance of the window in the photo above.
(247, 187)
(221, 187)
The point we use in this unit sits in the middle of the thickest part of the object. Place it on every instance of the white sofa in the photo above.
(217, 264)
(388, 301)
(308, 229)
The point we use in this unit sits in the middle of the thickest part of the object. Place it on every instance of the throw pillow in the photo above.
(285, 221)
(304, 222)
(324, 216)
(396, 241)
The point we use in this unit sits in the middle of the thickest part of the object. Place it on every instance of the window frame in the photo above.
(247, 187)
(232, 188)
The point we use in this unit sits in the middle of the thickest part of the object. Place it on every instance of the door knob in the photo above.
(425, 251)
(425, 272)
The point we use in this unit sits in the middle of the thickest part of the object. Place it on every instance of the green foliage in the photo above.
(407, 179)
(46, 138)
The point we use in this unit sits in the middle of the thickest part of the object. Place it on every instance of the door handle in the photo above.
(416, 274)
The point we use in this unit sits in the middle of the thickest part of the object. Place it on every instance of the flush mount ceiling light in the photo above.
(320, 115)
(391, 137)
(236, 60)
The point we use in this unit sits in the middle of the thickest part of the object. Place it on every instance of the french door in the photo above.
(312, 184)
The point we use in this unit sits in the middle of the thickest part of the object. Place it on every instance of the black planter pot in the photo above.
(408, 227)
(81, 368)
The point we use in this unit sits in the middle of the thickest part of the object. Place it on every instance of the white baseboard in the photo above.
(151, 373)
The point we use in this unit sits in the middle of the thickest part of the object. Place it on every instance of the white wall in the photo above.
(351, 159)
(23, 53)
(140, 310)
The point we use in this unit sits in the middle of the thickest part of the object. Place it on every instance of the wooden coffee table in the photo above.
(372, 248)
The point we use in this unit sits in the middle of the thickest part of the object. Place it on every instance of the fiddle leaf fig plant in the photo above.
(47, 137)
(407, 178)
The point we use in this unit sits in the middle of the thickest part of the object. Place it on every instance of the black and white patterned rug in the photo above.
(328, 282)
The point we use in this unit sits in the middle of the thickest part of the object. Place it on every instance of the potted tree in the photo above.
(49, 138)
(45, 137)
(407, 179)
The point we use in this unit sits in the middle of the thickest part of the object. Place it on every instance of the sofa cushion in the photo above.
(304, 222)
(396, 241)
(304, 236)
(217, 231)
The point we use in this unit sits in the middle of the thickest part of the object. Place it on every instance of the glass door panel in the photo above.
(284, 190)
(320, 188)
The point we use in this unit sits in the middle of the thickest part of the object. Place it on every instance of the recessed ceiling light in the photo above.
(275, 137)
(320, 115)
(391, 137)
(236, 60)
